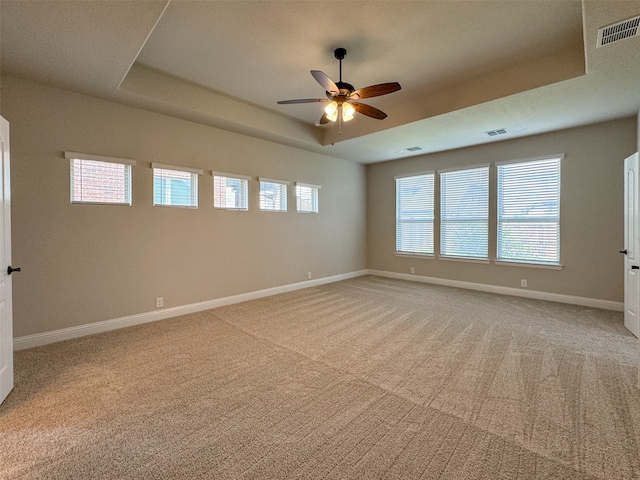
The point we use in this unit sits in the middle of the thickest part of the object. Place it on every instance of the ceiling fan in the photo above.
(342, 96)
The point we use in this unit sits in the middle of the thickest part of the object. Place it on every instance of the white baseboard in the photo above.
(516, 292)
(44, 338)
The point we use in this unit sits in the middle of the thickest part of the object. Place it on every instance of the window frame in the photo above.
(483, 219)
(245, 190)
(428, 217)
(500, 220)
(314, 191)
(284, 187)
(128, 176)
(195, 173)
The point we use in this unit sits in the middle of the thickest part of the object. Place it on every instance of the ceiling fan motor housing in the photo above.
(345, 88)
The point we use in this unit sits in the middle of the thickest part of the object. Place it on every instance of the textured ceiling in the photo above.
(465, 67)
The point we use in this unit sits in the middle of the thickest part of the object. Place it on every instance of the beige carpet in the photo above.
(363, 379)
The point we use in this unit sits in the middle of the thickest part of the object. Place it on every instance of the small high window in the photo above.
(273, 195)
(175, 186)
(307, 198)
(100, 179)
(230, 192)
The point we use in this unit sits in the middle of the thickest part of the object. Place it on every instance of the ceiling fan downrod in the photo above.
(340, 53)
(344, 89)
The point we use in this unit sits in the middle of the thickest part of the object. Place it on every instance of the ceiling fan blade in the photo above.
(326, 83)
(369, 111)
(303, 100)
(376, 90)
(324, 119)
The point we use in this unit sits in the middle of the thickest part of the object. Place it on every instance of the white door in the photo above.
(631, 245)
(6, 317)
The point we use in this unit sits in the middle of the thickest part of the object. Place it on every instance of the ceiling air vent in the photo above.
(413, 149)
(493, 133)
(618, 31)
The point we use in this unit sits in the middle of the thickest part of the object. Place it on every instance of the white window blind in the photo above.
(414, 214)
(230, 192)
(307, 198)
(464, 213)
(529, 211)
(99, 179)
(273, 195)
(175, 186)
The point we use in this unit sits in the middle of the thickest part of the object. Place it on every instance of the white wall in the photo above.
(86, 263)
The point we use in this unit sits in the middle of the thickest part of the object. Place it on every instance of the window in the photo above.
(99, 179)
(529, 211)
(175, 186)
(273, 195)
(230, 191)
(414, 214)
(464, 213)
(307, 198)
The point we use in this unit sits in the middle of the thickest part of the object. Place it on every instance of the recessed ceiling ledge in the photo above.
(172, 96)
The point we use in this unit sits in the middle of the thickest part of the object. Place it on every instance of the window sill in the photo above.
(188, 207)
(75, 202)
(485, 261)
(515, 263)
(428, 256)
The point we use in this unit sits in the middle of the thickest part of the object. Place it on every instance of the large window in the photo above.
(464, 213)
(529, 211)
(414, 214)
(99, 179)
(273, 195)
(175, 186)
(307, 198)
(230, 191)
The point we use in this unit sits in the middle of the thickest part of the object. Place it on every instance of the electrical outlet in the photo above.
(159, 302)
(309, 275)
(413, 270)
(523, 283)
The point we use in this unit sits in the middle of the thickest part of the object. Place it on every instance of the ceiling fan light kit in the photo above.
(341, 96)
(333, 109)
